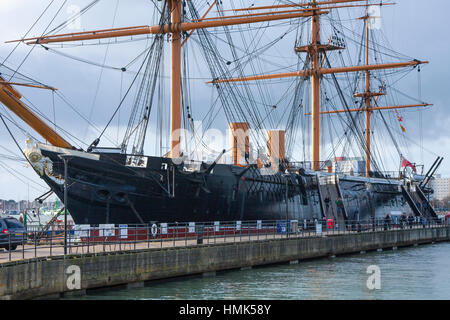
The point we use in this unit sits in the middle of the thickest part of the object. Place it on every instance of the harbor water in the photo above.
(421, 272)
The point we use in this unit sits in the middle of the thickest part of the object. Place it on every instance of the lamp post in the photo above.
(65, 159)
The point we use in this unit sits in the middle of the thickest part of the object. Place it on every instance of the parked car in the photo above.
(12, 233)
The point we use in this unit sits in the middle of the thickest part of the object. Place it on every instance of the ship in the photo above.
(256, 176)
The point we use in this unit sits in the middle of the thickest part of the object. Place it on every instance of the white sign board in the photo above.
(318, 228)
(259, 224)
(137, 161)
(123, 231)
(106, 230)
(216, 226)
(163, 228)
(294, 226)
(82, 230)
(238, 225)
(191, 227)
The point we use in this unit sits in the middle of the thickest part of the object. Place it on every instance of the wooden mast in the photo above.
(175, 78)
(367, 97)
(315, 90)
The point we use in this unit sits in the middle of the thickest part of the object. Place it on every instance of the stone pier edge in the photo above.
(49, 277)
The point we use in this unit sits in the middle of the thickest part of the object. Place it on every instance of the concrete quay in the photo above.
(52, 277)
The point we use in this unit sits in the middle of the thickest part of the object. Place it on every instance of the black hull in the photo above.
(108, 191)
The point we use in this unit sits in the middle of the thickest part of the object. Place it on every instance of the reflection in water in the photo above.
(411, 273)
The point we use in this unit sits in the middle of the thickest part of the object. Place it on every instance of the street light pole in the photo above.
(65, 159)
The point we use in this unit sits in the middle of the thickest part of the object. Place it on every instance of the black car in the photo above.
(12, 233)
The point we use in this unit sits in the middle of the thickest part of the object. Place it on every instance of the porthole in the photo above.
(120, 197)
(103, 194)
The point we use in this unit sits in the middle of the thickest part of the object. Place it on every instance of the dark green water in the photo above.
(421, 272)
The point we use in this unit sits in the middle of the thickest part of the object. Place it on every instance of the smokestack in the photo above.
(239, 141)
(275, 146)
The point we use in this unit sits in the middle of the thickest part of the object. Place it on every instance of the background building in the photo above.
(441, 187)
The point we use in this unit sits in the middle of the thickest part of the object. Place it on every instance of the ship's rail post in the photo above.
(257, 231)
(102, 238)
(160, 235)
(265, 231)
(204, 232)
(185, 234)
(274, 229)
(135, 230)
(211, 233)
(240, 231)
(147, 234)
(120, 240)
(175, 233)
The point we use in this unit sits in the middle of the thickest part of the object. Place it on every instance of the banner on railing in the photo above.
(216, 226)
(259, 224)
(123, 231)
(282, 227)
(82, 230)
(107, 230)
(238, 225)
(191, 227)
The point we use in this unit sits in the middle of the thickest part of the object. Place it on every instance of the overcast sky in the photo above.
(410, 27)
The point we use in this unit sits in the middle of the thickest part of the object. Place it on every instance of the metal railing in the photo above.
(84, 239)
